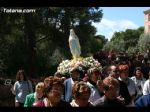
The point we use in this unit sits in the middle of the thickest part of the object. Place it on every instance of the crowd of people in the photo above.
(122, 82)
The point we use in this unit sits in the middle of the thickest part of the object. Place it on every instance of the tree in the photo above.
(144, 42)
(124, 40)
(117, 45)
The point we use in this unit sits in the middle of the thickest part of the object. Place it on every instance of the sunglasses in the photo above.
(124, 71)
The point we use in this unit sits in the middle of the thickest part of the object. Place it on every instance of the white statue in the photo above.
(74, 45)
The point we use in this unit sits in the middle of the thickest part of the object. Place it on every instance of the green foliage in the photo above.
(124, 40)
(144, 42)
(132, 50)
(117, 45)
(97, 43)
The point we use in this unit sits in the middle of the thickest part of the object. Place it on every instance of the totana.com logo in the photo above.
(16, 10)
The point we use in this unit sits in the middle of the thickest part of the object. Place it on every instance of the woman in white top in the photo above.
(22, 88)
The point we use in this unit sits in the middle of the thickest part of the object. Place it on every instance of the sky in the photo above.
(117, 19)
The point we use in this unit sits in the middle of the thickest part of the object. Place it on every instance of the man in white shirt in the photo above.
(146, 88)
(94, 75)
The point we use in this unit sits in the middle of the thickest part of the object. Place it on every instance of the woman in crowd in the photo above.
(81, 94)
(54, 94)
(110, 88)
(139, 81)
(22, 88)
(124, 73)
(36, 96)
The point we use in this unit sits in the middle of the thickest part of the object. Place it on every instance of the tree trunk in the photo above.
(30, 38)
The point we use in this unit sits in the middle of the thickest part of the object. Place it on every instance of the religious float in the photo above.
(83, 64)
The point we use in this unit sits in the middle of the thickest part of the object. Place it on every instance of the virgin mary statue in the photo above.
(74, 45)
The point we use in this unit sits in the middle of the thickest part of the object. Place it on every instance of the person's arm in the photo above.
(16, 88)
(17, 91)
(26, 104)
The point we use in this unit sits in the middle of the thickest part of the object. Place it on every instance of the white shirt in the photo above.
(139, 84)
(146, 88)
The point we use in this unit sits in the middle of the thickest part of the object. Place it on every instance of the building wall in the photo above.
(147, 22)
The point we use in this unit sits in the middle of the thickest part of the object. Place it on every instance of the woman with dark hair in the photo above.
(22, 88)
(139, 81)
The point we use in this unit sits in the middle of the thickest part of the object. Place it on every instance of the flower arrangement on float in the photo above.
(83, 65)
